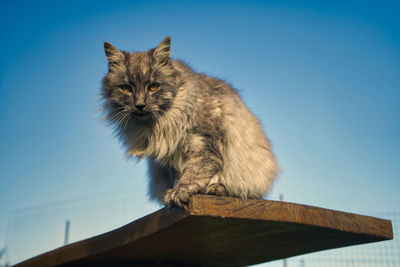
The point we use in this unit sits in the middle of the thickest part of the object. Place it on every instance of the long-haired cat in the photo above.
(197, 134)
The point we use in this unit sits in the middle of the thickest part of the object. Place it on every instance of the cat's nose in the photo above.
(140, 106)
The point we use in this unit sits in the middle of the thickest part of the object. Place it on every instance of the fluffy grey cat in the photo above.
(197, 134)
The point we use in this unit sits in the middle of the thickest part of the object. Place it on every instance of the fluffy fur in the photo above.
(195, 131)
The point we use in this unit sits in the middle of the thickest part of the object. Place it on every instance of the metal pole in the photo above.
(66, 232)
(284, 260)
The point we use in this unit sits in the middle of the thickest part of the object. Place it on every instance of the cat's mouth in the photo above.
(141, 114)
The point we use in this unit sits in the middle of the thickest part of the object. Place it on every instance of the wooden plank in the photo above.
(220, 231)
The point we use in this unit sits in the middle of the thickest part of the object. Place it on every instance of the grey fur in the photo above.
(195, 131)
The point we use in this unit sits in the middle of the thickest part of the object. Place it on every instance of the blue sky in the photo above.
(322, 76)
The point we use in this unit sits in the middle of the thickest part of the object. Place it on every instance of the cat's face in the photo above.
(139, 86)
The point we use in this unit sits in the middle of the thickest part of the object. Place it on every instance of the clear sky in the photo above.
(322, 76)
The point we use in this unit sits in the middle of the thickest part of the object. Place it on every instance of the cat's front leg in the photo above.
(197, 174)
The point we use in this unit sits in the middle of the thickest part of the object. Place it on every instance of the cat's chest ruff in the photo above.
(164, 143)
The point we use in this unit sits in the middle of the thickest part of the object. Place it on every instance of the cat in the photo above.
(195, 131)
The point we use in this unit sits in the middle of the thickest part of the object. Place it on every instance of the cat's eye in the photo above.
(154, 87)
(126, 88)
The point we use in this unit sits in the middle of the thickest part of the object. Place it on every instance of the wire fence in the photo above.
(380, 254)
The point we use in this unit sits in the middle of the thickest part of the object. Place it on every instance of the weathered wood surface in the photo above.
(220, 231)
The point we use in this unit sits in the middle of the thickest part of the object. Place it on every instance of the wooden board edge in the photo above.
(256, 209)
(128, 233)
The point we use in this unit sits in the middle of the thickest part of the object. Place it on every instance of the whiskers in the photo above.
(157, 115)
(120, 118)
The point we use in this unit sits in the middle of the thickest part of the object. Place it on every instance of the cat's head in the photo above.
(139, 86)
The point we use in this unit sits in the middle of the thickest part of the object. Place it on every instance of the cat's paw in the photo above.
(179, 195)
(216, 189)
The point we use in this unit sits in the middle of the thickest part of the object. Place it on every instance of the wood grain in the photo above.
(220, 231)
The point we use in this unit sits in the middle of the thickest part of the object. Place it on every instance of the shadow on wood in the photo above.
(220, 231)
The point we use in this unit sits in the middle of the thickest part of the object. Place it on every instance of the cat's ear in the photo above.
(161, 53)
(113, 54)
